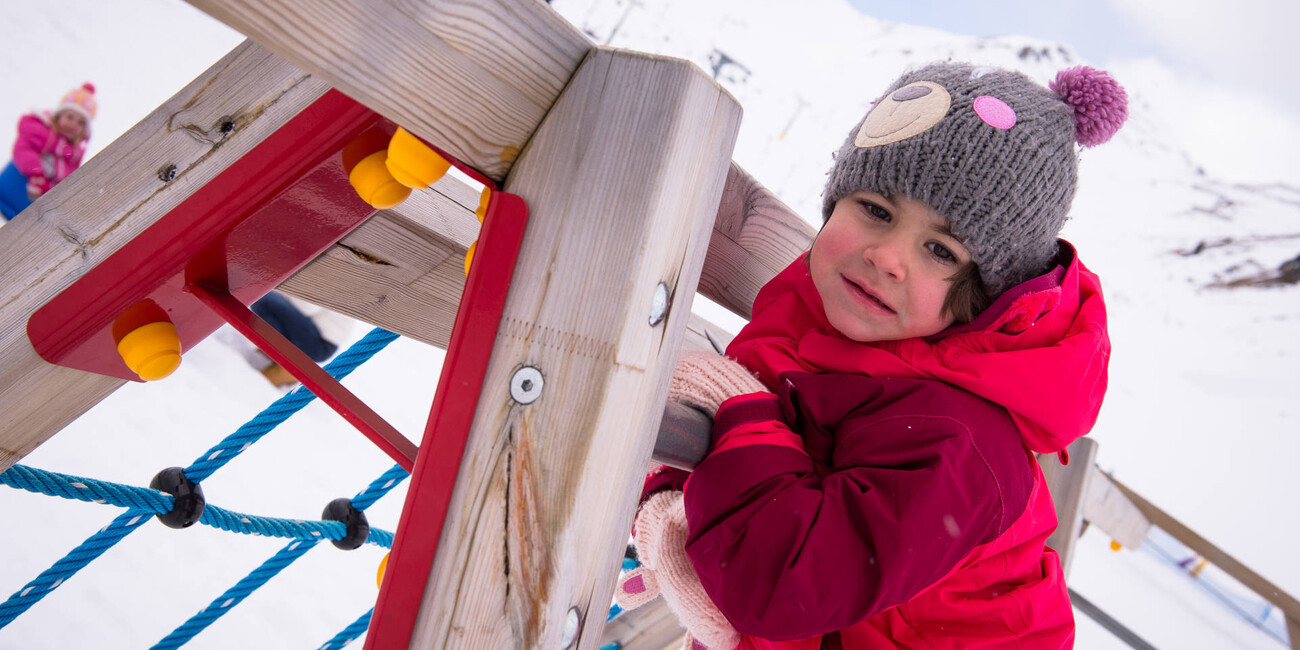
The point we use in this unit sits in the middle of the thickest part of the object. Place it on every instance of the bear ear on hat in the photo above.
(1099, 102)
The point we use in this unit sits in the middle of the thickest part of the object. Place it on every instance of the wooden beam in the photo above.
(755, 237)
(651, 626)
(403, 269)
(474, 77)
(1068, 485)
(622, 180)
(1230, 565)
(116, 195)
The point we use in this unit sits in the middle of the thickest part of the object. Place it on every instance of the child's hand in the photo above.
(705, 380)
(666, 571)
(36, 187)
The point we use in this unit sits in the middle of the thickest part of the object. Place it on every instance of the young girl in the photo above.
(48, 148)
(875, 486)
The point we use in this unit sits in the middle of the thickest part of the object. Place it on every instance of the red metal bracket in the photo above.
(327, 388)
(264, 217)
(428, 498)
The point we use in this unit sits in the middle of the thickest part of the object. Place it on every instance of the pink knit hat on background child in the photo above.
(81, 101)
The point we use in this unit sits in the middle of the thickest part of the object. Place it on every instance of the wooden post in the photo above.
(623, 181)
(116, 195)
(1068, 485)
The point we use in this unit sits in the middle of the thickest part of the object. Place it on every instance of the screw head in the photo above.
(526, 385)
(659, 305)
(572, 625)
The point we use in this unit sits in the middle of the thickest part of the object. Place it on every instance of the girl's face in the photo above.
(70, 125)
(881, 266)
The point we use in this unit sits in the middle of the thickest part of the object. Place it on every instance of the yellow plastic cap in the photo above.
(1115, 546)
(152, 351)
(469, 257)
(413, 163)
(484, 198)
(375, 185)
(383, 564)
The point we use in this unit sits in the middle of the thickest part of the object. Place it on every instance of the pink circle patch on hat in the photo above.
(994, 112)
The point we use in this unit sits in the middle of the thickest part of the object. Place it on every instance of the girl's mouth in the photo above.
(867, 297)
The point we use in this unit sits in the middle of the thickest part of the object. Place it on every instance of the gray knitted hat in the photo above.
(987, 148)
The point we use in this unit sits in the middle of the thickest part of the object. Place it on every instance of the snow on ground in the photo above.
(1202, 394)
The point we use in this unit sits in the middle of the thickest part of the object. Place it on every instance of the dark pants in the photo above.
(294, 325)
(13, 192)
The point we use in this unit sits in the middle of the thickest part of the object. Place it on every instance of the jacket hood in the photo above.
(1041, 350)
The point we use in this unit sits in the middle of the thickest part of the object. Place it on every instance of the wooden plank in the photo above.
(116, 195)
(403, 269)
(623, 180)
(651, 626)
(1105, 507)
(474, 77)
(754, 238)
(1293, 631)
(1230, 565)
(1068, 485)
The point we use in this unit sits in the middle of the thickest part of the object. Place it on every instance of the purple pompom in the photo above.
(1100, 103)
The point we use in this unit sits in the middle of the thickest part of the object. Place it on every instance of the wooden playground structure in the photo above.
(623, 160)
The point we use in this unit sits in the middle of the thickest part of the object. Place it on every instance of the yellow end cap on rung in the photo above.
(383, 565)
(484, 198)
(151, 351)
(1115, 546)
(375, 185)
(413, 163)
(469, 257)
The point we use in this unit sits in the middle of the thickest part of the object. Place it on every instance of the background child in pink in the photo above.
(873, 480)
(50, 146)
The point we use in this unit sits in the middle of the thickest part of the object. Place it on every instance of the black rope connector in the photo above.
(189, 503)
(341, 509)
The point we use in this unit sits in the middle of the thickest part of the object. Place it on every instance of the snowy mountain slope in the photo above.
(1197, 419)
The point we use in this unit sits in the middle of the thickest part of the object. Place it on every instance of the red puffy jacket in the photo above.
(901, 506)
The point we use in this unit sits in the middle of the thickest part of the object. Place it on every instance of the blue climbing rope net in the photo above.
(142, 504)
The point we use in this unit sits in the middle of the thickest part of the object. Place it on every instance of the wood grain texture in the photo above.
(651, 626)
(403, 269)
(474, 77)
(623, 181)
(116, 195)
(754, 238)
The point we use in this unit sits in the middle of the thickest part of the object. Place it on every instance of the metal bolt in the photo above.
(526, 385)
(659, 306)
(572, 625)
(167, 173)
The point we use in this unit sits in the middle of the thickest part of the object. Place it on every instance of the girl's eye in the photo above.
(876, 211)
(940, 251)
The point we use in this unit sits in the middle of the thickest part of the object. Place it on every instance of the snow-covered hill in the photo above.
(1198, 419)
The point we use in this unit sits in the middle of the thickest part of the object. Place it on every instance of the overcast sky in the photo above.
(1238, 88)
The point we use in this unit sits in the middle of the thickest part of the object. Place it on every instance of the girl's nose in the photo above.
(889, 257)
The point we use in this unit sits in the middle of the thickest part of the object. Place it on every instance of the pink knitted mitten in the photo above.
(705, 380)
(667, 571)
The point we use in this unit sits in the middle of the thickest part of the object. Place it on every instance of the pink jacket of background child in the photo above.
(44, 156)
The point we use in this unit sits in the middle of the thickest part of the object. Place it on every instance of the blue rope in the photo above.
(155, 502)
(51, 578)
(286, 556)
(218, 456)
(280, 410)
(349, 633)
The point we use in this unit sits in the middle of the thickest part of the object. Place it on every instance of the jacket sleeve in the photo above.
(788, 551)
(32, 136)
